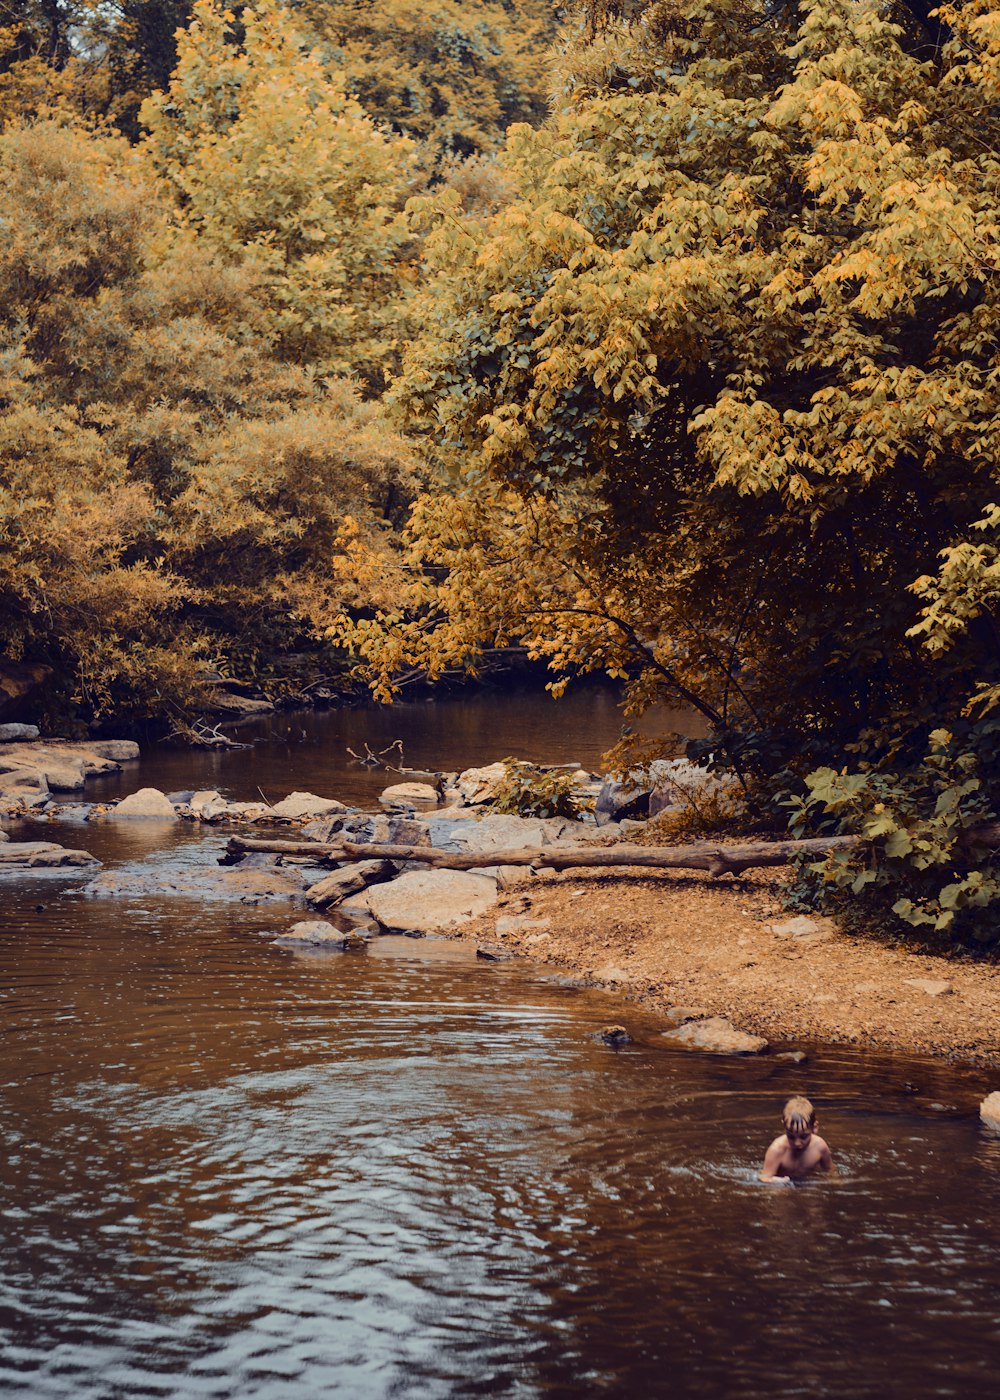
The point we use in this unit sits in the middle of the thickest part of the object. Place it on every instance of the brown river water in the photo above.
(235, 1170)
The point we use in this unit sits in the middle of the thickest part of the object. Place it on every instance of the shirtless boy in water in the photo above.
(800, 1149)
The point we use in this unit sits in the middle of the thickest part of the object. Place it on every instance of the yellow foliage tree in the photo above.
(719, 386)
(279, 170)
(454, 75)
(169, 491)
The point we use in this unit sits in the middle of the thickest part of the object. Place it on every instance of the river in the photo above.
(236, 1170)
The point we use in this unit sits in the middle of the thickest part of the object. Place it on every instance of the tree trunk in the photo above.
(704, 855)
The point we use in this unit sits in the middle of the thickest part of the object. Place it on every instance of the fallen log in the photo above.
(703, 855)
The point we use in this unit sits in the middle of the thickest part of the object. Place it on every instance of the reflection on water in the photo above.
(312, 748)
(232, 1170)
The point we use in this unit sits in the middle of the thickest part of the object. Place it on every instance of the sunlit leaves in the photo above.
(275, 166)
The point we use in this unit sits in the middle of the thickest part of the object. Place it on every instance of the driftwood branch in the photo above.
(705, 855)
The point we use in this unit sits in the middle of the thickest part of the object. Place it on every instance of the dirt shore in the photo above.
(673, 938)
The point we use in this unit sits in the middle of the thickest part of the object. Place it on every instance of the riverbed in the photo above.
(234, 1169)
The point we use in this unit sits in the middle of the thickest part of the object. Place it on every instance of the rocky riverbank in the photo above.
(689, 946)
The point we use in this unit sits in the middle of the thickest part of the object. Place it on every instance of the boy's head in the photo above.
(799, 1118)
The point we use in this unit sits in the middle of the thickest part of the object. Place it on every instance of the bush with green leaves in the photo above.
(929, 830)
(529, 791)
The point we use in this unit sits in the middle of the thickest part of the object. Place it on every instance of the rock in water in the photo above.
(306, 804)
(989, 1111)
(615, 1036)
(147, 802)
(313, 931)
(717, 1036)
(41, 855)
(119, 750)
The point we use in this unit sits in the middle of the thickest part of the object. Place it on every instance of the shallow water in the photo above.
(233, 1169)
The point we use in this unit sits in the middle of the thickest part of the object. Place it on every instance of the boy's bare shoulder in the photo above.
(774, 1157)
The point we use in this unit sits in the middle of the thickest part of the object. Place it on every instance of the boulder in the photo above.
(118, 750)
(716, 1036)
(496, 832)
(306, 804)
(404, 831)
(313, 931)
(676, 782)
(323, 829)
(423, 901)
(227, 702)
(667, 784)
(615, 1036)
(478, 785)
(247, 811)
(63, 755)
(64, 777)
(349, 879)
(147, 802)
(207, 805)
(18, 733)
(619, 799)
(41, 855)
(989, 1111)
(19, 782)
(365, 829)
(407, 794)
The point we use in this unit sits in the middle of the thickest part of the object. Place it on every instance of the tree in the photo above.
(718, 386)
(278, 169)
(454, 75)
(169, 491)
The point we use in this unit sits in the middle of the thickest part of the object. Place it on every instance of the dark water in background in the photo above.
(310, 749)
(231, 1169)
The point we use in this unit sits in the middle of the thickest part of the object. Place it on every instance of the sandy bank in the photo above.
(673, 938)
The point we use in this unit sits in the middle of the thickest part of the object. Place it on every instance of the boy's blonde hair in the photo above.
(798, 1114)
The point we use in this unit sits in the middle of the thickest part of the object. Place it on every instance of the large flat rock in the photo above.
(251, 886)
(496, 832)
(423, 901)
(33, 769)
(41, 855)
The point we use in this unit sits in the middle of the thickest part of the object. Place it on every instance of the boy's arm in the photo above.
(826, 1160)
(772, 1161)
